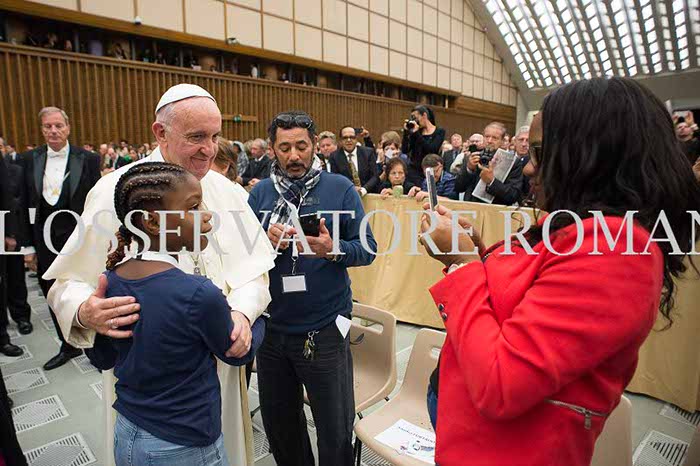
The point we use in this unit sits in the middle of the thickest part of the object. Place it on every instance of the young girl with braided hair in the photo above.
(168, 395)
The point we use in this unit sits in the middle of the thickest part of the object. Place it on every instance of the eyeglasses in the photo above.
(286, 121)
(535, 150)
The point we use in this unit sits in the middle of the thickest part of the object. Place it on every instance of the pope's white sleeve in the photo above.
(65, 297)
(252, 298)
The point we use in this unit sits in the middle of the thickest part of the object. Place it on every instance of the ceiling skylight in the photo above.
(595, 37)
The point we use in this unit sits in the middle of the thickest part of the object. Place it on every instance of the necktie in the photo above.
(353, 172)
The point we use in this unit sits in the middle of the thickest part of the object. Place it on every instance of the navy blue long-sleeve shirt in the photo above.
(166, 374)
(445, 186)
(328, 283)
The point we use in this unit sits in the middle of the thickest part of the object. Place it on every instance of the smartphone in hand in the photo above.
(432, 188)
(310, 224)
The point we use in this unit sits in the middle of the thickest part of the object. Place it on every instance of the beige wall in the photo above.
(167, 14)
(434, 42)
(69, 4)
(123, 10)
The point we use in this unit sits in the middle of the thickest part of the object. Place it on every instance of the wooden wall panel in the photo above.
(108, 100)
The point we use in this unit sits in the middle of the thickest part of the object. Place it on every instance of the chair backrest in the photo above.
(373, 354)
(693, 456)
(422, 363)
(614, 445)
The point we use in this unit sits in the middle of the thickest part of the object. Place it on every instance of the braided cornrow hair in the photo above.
(142, 186)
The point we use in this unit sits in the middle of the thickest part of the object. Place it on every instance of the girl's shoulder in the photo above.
(172, 281)
(206, 295)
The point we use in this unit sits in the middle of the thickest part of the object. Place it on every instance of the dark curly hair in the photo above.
(141, 187)
(608, 144)
(393, 162)
(289, 120)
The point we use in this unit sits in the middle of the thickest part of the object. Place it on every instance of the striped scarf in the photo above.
(291, 191)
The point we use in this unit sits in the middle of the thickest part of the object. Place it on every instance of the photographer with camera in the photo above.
(476, 168)
(420, 137)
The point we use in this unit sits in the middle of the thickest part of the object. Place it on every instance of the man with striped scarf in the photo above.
(307, 343)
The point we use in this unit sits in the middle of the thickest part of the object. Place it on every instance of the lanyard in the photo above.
(294, 211)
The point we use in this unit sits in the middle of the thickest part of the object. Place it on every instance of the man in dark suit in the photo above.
(14, 296)
(522, 150)
(10, 245)
(9, 446)
(507, 192)
(58, 176)
(11, 155)
(259, 166)
(449, 156)
(356, 163)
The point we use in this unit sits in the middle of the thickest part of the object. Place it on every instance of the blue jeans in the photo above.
(432, 406)
(134, 446)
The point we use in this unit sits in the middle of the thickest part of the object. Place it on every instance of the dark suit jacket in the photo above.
(511, 190)
(259, 169)
(508, 192)
(17, 160)
(448, 157)
(18, 202)
(84, 168)
(6, 202)
(367, 167)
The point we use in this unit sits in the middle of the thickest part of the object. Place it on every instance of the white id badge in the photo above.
(293, 283)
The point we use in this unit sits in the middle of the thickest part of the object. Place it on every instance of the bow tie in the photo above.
(52, 153)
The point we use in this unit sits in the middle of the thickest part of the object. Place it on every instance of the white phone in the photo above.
(432, 188)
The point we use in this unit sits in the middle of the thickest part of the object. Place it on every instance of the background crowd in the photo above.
(460, 161)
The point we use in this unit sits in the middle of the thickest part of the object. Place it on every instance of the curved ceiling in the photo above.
(552, 42)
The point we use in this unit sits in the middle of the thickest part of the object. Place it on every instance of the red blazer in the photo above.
(524, 329)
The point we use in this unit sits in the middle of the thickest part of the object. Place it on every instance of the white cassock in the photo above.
(242, 275)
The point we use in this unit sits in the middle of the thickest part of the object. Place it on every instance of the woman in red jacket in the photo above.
(542, 342)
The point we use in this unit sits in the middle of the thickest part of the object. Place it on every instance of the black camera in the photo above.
(411, 122)
(486, 156)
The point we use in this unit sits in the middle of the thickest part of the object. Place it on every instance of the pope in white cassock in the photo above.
(188, 123)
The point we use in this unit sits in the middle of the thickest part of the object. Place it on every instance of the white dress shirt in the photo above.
(55, 173)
